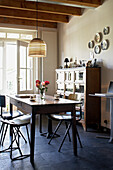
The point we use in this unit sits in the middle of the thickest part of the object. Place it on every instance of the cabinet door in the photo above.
(69, 76)
(60, 76)
(93, 85)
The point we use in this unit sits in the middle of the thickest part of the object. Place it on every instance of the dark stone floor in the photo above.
(96, 154)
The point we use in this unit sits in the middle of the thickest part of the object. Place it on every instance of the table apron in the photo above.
(42, 109)
(22, 106)
(51, 109)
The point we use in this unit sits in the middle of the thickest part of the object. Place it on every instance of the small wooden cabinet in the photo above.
(82, 81)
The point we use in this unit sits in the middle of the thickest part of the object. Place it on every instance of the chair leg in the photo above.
(79, 138)
(67, 130)
(2, 132)
(22, 135)
(9, 149)
(15, 135)
(55, 131)
(2, 142)
(17, 141)
(1, 128)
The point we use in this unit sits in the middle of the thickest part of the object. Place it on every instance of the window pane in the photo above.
(11, 57)
(2, 35)
(12, 35)
(1, 57)
(26, 36)
(22, 79)
(29, 79)
(29, 62)
(11, 68)
(1, 73)
(22, 57)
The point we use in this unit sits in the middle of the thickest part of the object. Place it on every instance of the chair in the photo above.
(15, 122)
(6, 116)
(15, 126)
(67, 118)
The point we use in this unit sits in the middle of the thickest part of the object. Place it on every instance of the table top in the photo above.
(107, 95)
(49, 100)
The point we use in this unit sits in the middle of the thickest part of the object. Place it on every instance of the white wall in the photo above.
(50, 62)
(74, 38)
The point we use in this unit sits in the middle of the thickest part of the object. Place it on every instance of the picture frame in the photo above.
(98, 37)
(97, 49)
(106, 30)
(104, 44)
(91, 44)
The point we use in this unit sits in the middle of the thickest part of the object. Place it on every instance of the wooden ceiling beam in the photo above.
(42, 7)
(85, 3)
(59, 9)
(23, 22)
(31, 15)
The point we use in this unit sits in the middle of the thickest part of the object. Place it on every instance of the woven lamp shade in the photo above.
(37, 48)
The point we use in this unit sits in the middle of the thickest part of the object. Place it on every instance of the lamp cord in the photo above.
(37, 17)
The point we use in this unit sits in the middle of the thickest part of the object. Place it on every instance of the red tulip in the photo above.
(47, 82)
(38, 81)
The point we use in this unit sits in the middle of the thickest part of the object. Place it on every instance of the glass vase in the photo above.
(42, 95)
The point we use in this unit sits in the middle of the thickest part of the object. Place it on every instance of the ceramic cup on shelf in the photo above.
(56, 96)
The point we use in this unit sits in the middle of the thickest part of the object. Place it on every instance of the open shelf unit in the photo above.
(82, 81)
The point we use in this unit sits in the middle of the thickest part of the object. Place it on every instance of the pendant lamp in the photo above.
(37, 47)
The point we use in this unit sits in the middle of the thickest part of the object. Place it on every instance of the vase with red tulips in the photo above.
(42, 86)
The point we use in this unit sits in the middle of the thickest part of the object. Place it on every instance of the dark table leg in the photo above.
(32, 137)
(49, 133)
(74, 131)
(40, 123)
(11, 109)
(49, 130)
(11, 112)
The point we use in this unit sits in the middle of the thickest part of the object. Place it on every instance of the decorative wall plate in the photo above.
(97, 49)
(91, 44)
(104, 44)
(98, 37)
(106, 30)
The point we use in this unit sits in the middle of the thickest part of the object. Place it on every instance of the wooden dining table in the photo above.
(47, 106)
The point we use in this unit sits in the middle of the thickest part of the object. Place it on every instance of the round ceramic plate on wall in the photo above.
(98, 37)
(91, 44)
(97, 49)
(106, 30)
(104, 44)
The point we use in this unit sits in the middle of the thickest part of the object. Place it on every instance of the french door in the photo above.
(25, 69)
(1, 66)
(16, 68)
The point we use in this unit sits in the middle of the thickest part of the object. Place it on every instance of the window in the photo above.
(26, 37)
(1, 67)
(2, 35)
(11, 67)
(16, 72)
(25, 69)
(13, 35)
